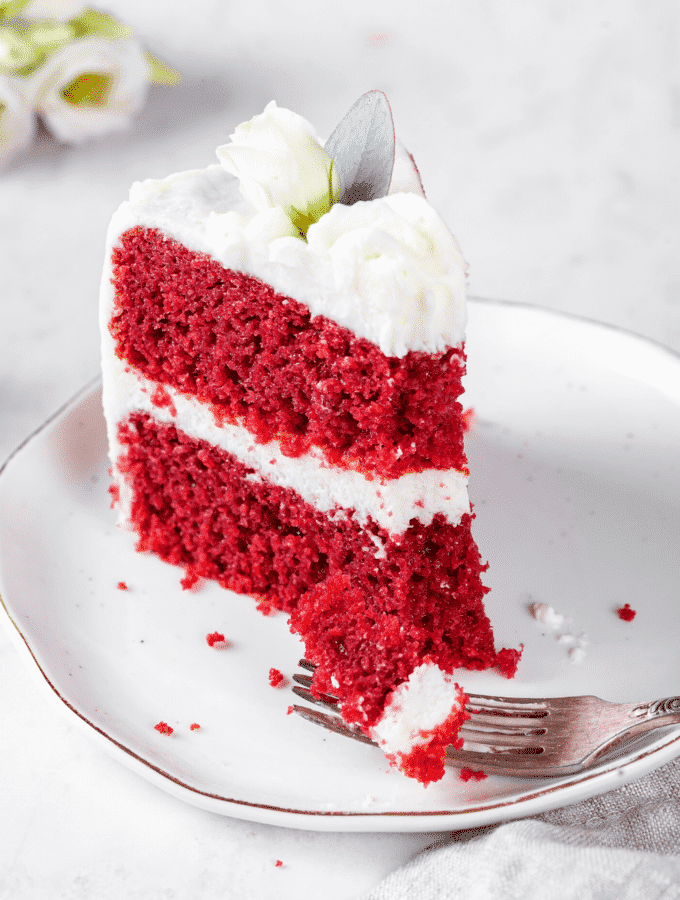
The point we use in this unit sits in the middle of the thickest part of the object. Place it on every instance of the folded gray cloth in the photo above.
(624, 845)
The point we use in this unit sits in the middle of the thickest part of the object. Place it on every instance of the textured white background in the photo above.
(547, 135)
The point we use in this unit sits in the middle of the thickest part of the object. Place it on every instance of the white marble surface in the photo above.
(548, 137)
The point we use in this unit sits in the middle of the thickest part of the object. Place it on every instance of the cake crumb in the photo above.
(546, 615)
(562, 628)
(577, 654)
(625, 613)
(471, 775)
(278, 863)
(276, 678)
(216, 638)
(164, 728)
(194, 726)
(162, 398)
(469, 416)
(190, 580)
(122, 586)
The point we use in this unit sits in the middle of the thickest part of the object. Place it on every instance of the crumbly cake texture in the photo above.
(258, 357)
(266, 445)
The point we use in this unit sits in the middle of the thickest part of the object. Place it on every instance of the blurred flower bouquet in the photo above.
(79, 69)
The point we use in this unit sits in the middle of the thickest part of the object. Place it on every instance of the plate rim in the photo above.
(561, 792)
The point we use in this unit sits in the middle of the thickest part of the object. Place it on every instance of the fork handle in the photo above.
(644, 717)
(635, 721)
(657, 709)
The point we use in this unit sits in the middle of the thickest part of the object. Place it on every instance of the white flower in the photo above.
(53, 10)
(280, 163)
(90, 87)
(17, 122)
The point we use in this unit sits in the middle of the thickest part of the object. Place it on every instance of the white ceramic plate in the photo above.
(575, 479)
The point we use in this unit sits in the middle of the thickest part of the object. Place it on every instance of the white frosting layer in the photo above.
(391, 503)
(388, 269)
(415, 708)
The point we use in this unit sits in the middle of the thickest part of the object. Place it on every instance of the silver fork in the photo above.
(524, 736)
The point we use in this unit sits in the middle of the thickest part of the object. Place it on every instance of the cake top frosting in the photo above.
(387, 268)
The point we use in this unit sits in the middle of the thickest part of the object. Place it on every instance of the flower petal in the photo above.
(281, 163)
(17, 122)
(118, 75)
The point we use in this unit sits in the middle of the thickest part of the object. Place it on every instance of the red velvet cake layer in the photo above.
(197, 506)
(260, 358)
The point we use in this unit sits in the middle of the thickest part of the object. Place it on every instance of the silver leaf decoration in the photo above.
(362, 148)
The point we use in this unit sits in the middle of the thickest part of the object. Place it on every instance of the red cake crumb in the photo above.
(276, 678)
(266, 608)
(470, 774)
(261, 359)
(290, 711)
(122, 586)
(163, 728)
(626, 613)
(215, 638)
(162, 399)
(278, 863)
(469, 417)
(378, 39)
(194, 726)
(114, 490)
(508, 660)
(191, 579)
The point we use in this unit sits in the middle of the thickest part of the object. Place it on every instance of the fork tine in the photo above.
(526, 707)
(333, 723)
(302, 690)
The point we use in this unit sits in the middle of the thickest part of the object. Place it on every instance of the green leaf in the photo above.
(362, 147)
(98, 23)
(48, 37)
(19, 54)
(160, 73)
(11, 8)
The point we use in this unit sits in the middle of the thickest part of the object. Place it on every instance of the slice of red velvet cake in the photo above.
(281, 383)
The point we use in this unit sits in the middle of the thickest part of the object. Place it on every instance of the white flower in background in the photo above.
(281, 163)
(90, 87)
(53, 10)
(17, 122)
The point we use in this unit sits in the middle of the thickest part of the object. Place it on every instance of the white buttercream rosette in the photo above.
(398, 255)
(17, 122)
(124, 65)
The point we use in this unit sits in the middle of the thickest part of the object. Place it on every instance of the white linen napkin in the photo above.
(624, 845)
